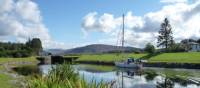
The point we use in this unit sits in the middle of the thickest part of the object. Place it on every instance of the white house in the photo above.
(194, 46)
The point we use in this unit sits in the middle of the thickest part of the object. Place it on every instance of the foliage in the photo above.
(63, 76)
(165, 37)
(176, 48)
(8, 49)
(35, 44)
(149, 48)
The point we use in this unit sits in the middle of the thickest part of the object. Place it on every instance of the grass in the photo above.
(28, 59)
(4, 78)
(107, 57)
(5, 81)
(186, 57)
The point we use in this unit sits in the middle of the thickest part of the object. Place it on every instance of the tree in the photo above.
(36, 45)
(198, 41)
(165, 37)
(149, 48)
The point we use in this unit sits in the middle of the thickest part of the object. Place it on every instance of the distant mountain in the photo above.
(94, 48)
(56, 51)
(100, 48)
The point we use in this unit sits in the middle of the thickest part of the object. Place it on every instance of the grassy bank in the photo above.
(28, 59)
(5, 79)
(107, 57)
(186, 57)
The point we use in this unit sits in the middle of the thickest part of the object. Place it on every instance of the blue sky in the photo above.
(72, 23)
(64, 17)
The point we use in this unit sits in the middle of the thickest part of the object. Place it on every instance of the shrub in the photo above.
(149, 48)
(63, 76)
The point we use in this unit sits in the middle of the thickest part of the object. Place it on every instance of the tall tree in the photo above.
(36, 45)
(165, 37)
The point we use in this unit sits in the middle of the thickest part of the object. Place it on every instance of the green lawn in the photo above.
(187, 57)
(107, 57)
(28, 59)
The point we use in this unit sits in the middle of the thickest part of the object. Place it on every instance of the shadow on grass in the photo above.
(26, 70)
(150, 55)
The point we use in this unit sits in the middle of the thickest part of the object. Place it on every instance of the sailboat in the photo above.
(130, 62)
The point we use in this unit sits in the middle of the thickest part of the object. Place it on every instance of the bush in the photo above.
(149, 48)
(63, 76)
(176, 48)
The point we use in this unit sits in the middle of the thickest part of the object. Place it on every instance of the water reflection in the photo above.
(143, 78)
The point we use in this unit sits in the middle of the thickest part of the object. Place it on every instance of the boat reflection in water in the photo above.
(140, 78)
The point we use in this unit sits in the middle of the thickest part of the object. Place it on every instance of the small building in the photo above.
(194, 47)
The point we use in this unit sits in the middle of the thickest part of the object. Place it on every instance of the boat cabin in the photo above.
(132, 60)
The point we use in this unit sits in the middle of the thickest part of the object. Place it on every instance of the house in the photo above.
(194, 47)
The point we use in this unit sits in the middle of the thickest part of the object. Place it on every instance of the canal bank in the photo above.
(75, 59)
(132, 78)
(150, 64)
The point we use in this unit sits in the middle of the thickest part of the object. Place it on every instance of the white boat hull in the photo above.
(130, 65)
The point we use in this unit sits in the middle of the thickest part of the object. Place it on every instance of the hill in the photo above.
(93, 49)
(100, 48)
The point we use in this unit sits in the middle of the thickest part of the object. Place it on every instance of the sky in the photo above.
(67, 24)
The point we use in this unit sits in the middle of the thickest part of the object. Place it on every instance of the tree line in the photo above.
(166, 41)
(31, 47)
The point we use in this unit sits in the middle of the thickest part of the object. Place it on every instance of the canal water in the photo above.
(143, 78)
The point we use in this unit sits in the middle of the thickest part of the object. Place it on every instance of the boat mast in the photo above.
(122, 47)
(123, 34)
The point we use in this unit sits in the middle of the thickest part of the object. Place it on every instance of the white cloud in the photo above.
(105, 23)
(21, 20)
(184, 18)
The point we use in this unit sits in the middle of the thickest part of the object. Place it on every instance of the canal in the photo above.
(131, 78)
